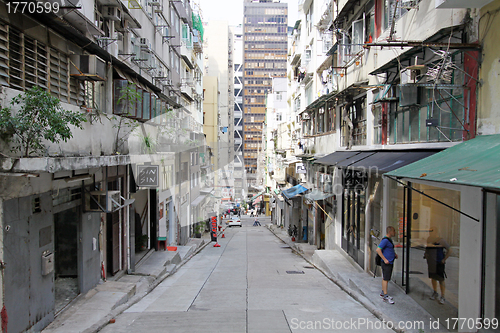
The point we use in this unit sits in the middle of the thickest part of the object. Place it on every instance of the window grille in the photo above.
(4, 57)
(59, 78)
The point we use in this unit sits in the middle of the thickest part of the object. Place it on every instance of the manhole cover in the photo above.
(294, 272)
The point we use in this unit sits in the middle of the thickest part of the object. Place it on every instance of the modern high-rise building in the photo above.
(265, 27)
(239, 164)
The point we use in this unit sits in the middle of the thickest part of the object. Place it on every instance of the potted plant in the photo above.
(141, 242)
(198, 230)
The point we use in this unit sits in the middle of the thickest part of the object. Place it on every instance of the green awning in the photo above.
(256, 196)
(475, 162)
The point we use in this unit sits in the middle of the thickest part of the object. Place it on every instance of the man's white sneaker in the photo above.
(441, 300)
(388, 299)
(434, 296)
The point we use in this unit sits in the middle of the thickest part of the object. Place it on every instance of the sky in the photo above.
(232, 10)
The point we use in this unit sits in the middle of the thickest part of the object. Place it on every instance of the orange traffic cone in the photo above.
(216, 244)
(223, 235)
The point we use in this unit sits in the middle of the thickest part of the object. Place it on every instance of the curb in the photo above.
(136, 298)
(343, 286)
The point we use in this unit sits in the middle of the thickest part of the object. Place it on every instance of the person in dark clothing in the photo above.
(436, 253)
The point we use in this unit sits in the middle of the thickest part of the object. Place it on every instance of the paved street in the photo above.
(246, 285)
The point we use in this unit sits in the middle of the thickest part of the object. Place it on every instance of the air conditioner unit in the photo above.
(87, 67)
(144, 43)
(112, 13)
(112, 200)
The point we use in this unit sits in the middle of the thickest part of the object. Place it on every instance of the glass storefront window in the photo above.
(430, 261)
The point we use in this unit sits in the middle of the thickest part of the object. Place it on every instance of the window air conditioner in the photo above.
(112, 13)
(144, 43)
(88, 66)
(113, 200)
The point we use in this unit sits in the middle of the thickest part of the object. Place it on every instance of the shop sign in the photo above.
(147, 175)
(354, 179)
(300, 168)
(214, 228)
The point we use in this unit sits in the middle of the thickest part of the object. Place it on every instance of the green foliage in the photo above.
(128, 98)
(149, 144)
(39, 117)
(129, 95)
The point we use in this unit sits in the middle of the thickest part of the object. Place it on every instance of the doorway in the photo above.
(66, 230)
(353, 224)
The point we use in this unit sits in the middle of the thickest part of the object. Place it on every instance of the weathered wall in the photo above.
(29, 296)
(90, 265)
(488, 121)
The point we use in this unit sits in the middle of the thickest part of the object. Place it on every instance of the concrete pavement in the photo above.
(363, 286)
(252, 283)
(91, 311)
(264, 302)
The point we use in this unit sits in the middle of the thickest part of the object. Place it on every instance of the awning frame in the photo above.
(432, 198)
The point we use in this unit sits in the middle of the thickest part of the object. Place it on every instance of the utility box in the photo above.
(47, 263)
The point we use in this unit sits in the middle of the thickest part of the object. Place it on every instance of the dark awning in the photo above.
(475, 163)
(385, 161)
(355, 158)
(334, 158)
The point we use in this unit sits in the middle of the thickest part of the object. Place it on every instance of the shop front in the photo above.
(428, 228)
(445, 209)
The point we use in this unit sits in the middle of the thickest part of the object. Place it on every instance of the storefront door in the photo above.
(353, 224)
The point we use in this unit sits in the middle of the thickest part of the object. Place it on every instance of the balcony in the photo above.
(187, 53)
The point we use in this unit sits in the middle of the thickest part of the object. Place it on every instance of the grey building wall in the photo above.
(30, 296)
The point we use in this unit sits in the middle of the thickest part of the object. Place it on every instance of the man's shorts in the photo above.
(386, 271)
(439, 273)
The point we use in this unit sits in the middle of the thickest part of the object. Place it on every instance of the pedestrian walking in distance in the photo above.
(386, 252)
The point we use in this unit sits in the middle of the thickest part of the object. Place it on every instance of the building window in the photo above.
(353, 129)
(377, 124)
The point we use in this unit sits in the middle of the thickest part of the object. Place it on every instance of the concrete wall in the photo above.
(90, 264)
(29, 296)
(488, 121)
(471, 244)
